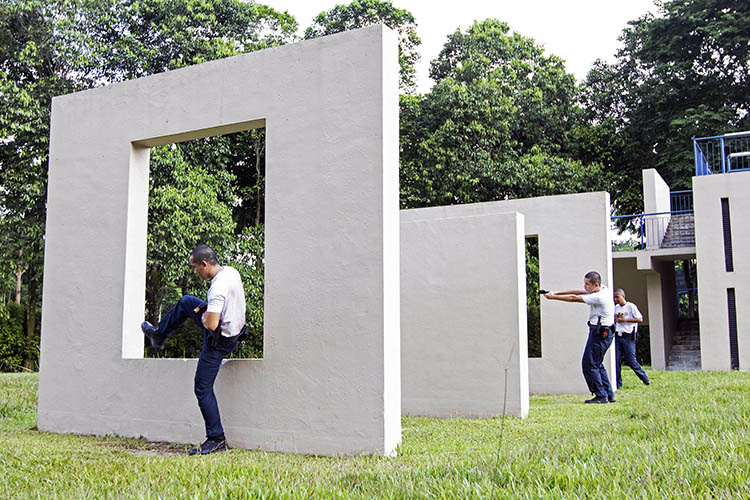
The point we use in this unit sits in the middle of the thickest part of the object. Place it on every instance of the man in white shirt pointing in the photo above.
(601, 330)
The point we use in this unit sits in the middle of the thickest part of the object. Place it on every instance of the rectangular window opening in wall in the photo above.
(209, 191)
(727, 228)
(533, 302)
(733, 346)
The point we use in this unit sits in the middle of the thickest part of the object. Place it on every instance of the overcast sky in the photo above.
(578, 31)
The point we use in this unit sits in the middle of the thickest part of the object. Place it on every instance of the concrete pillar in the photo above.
(659, 349)
(662, 311)
(655, 200)
(714, 276)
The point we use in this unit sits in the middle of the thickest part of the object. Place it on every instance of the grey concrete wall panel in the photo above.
(463, 323)
(329, 382)
(713, 278)
(574, 238)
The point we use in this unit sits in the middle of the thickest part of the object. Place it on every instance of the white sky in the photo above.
(578, 31)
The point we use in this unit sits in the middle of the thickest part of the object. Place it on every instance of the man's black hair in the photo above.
(594, 277)
(204, 253)
(620, 291)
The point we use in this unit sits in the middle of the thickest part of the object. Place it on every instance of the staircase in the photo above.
(680, 231)
(686, 347)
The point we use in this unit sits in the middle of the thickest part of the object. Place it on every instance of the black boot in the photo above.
(598, 400)
(153, 334)
(210, 445)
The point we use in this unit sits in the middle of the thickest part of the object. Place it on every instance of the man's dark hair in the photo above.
(204, 253)
(594, 277)
(620, 291)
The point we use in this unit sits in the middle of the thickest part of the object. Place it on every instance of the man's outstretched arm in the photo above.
(566, 296)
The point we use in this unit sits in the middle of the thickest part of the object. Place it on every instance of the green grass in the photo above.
(686, 436)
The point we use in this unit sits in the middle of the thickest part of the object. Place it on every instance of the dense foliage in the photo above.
(504, 120)
(495, 125)
(53, 47)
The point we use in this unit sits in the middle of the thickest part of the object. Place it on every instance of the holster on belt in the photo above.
(215, 336)
(603, 330)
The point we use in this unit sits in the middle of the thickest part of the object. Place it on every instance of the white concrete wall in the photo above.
(655, 199)
(655, 192)
(713, 279)
(329, 382)
(463, 322)
(627, 277)
(574, 238)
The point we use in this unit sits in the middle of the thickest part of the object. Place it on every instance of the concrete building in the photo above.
(703, 228)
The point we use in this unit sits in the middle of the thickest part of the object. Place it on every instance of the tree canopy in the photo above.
(361, 13)
(496, 124)
(680, 74)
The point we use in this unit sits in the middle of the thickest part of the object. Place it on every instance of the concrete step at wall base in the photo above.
(676, 368)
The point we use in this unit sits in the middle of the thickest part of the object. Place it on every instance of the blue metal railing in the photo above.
(722, 154)
(649, 227)
(681, 200)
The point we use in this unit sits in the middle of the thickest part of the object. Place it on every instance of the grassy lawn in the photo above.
(686, 436)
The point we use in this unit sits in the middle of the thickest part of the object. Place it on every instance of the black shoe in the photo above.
(646, 382)
(612, 400)
(210, 446)
(156, 338)
(598, 400)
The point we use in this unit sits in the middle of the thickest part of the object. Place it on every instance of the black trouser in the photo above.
(209, 362)
(625, 352)
(592, 363)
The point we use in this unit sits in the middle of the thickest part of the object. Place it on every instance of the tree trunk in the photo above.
(29, 362)
(152, 309)
(184, 284)
(19, 274)
(258, 145)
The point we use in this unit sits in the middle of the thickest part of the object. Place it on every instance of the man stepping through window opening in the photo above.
(627, 317)
(222, 319)
(601, 330)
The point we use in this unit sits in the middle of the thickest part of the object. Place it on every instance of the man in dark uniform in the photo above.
(222, 319)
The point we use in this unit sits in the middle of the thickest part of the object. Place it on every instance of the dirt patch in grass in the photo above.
(156, 449)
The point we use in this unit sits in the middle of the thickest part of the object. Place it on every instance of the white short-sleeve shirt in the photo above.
(227, 297)
(602, 305)
(628, 311)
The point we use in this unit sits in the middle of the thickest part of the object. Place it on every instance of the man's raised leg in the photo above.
(187, 307)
